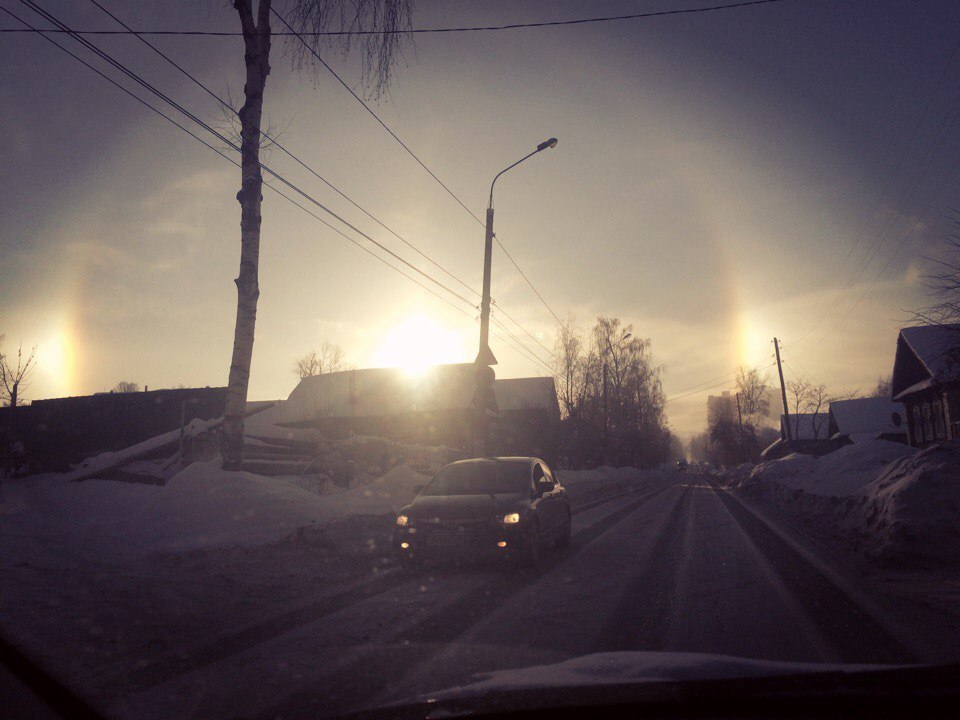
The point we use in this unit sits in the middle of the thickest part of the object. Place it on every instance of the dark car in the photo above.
(510, 506)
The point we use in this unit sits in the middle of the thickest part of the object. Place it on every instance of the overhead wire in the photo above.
(275, 142)
(300, 36)
(151, 88)
(460, 29)
(219, 152)
(889, 184)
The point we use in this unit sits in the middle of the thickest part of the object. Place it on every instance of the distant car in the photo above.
(682, 465)
(508, 506)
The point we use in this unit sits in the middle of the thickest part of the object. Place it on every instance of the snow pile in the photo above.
(204, 506)
(843, 472)
(386, 494)
(884, 499)
(103, 462)
(915, 503)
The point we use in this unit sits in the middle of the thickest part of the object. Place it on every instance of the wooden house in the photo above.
(926, 379)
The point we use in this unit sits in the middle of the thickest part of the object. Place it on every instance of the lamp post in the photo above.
(483, 397)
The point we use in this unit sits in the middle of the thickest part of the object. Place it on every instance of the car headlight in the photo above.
(403, 520)
(511, 519)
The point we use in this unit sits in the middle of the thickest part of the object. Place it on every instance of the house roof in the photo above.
(807, 426)
(867, 416)
(926, 355)
(526, 393)
(391, 391)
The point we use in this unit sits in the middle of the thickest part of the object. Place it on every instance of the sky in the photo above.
(721, 178)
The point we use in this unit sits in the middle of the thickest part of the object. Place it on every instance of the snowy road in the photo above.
(677, 565)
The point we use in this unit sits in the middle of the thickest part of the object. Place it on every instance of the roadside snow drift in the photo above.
(885, 498)
(915, 503)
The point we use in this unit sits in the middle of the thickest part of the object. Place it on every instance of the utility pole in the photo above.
(783, 392)
(484, 399)
(740, 420)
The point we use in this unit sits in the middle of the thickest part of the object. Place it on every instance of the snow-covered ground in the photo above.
(224, 594)
(883, 498)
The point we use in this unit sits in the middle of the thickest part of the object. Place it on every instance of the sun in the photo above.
(417, 343)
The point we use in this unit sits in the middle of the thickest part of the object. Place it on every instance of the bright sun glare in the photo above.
(417, 343)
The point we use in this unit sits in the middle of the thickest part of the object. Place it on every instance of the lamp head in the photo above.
(551, 143)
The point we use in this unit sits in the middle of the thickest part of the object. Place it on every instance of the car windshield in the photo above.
(480, 478)
(354, 351)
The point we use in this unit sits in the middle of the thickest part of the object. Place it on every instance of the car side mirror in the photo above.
(417, 489)
(544, 486)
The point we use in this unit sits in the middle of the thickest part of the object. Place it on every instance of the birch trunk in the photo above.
(256, 38)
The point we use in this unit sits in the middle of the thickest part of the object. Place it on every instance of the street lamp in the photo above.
(485, 356)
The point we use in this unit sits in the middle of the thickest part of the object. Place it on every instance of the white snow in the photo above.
(840, 473)
(862, 418)
(885, 498)
(916, 501)
(108, 460)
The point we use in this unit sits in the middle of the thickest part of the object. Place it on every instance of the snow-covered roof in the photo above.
(926, 355)
(807, 426)
(867, 416)
(392, 391)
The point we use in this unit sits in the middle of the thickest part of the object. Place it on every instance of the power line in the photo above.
(276, 142)
(892, 217)
(233, 162)
(151, 88)
(890, 179)
(451, 193)
(148, 86)
(425, 31)
(697, 390)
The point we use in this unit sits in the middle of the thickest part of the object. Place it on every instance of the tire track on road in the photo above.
(245, 638)
(360, 679)
(638, 625)
(450, 622)
(853, 631)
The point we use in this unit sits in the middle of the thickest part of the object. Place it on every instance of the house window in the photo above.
(927, 427)
(917, 426)
(938, 430)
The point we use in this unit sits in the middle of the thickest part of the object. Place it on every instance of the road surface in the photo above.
(678, 564)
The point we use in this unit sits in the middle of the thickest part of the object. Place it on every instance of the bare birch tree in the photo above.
(752, 388)
(378, 28)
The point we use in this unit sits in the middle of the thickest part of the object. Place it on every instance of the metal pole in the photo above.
(485, 356)
(783, 392)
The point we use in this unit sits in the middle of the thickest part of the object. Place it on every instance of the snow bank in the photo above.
(843, 472)
(202, 506)
(205, 506)
(386, 494)
(915, 503)
(885, 499)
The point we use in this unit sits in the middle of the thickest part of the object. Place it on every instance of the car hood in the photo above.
(462, 507)
(679, 681)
